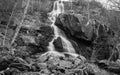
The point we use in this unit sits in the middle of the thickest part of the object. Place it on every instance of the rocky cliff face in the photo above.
(88, 36)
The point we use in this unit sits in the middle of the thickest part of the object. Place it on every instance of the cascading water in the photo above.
(58, 8)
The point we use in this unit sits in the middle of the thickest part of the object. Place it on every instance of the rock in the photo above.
(5, 62)
(71, 25)
(19, 66)
(58, 45)
(74, 29)
(46, 34)
(20, 42)
(112, 67)
(33, 49)
(86, 37)
(4, 65)
(22, 51)
(11, 71)
(42, 65)
(37, 41)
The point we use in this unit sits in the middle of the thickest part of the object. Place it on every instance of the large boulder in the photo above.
(58, 45)
(71, 25)
(75, 31)
(88, 37)
(36, 41)
(44, 35)
(74, 26)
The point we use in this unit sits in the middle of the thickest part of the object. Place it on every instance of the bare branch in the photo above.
(8, 24)
(115, 3)
(19, 26)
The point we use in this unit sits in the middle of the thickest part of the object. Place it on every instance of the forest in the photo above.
(59, 37)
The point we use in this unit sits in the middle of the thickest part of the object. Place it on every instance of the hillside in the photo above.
(36, 37)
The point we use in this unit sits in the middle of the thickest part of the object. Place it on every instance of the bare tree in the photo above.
(6, 30)
(114, 4)
(19, 26)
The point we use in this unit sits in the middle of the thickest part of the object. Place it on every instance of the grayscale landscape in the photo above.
(59, 37)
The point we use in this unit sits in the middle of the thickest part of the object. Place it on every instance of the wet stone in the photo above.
(58, 44)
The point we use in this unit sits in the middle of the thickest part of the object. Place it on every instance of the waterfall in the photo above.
(58, 8)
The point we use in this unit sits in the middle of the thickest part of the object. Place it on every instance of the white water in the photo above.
(58, 8)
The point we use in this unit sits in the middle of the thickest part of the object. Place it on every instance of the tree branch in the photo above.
(19, 26)
(8, 25)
